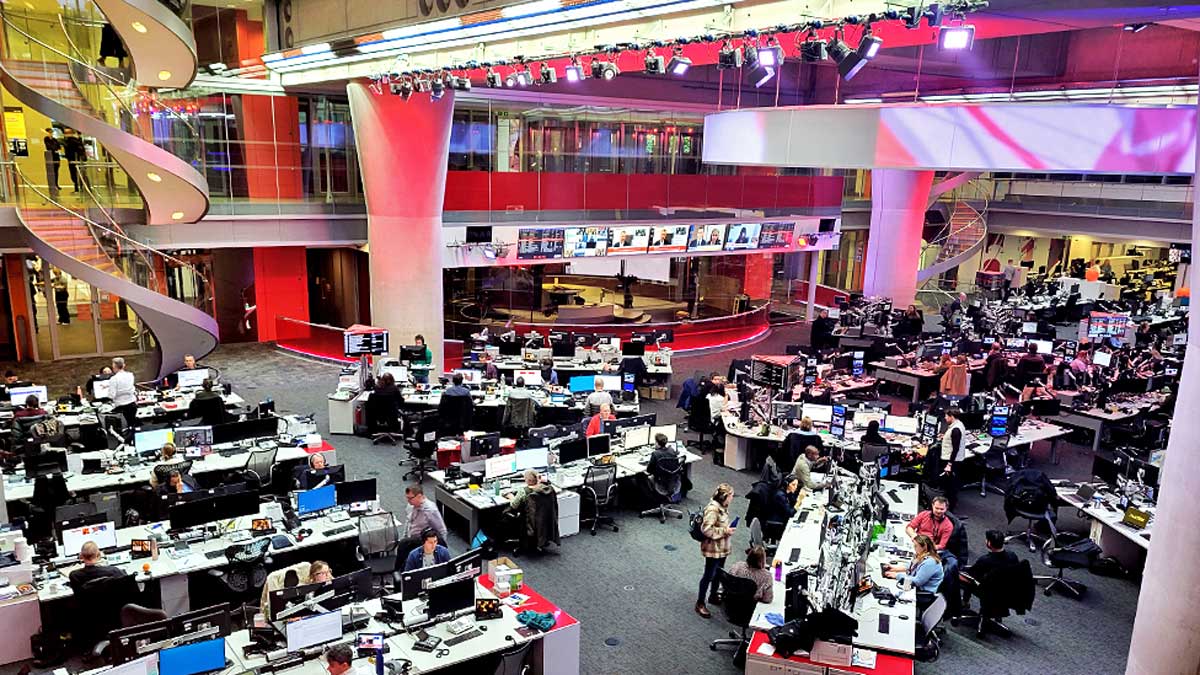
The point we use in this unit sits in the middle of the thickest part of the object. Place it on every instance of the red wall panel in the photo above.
(760, 267)
(468, 191)
(648, 191)
(280, 287)
(687, 191)
(271, 130)
(759, 191)
(608, 190)
(561, 191)
(514, 191)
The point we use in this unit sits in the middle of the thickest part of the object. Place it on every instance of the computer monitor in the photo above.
(1043, 346)
(580, 384)
(611, 382)
(213, 617)
(817, 413)
(597, 446)
(572, 450)
(501, 465)
(144, 441)
(355, 491)
(864, 417)
(532, 378)
(509, 348)
(201, 657)
(232, 432)
(999, 421)
(412, 353)
(633, 348)
(146, 665)
(470, 375)
(450, 597)
(637, 437)
(192, 378)
(1029, 327)
(45, 463)
(413, 582)
(668, 430)
(1103, 359)
(398, 373)
(104, 534)
(900, 424)
(187, 437)
(533, 458)
(17, 395)
(1105, 469)
(101, 389)
(471, 560)
(358, 344)
(562, 349)
(313, 630)
(483, 445)
(313, 501)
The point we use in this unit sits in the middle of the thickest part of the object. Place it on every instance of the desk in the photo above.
(139, 475)
(1096, 419)
(470, 506)
(761, 659)
(902, 500)
(1127, 545)
(172, 573)
(555, 652)
(917, 377)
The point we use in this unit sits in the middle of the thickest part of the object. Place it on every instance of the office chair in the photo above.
(162, 472)
(1032, 518)
(993, 463)
(104, 598)
(247, 569)
(260, 466)
(666, 482)
(739, 604)
(383, 418)
(420, 439)
(514, 661)
(1079, 554)
(543, 433)
(600, 487)
(378, 544)
(700, 422)
(541, 520)
(70, 511)
(520, 414)
(1004, 589)
(873, 451)
(454, 415)
(929, 645)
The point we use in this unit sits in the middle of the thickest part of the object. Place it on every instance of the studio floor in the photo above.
(633, 590)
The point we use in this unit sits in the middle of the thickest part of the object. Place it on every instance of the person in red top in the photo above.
(596, 424)
(33, 407)
(933, 524)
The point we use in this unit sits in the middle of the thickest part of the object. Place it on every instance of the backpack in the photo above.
(695, 521)
(47, 429)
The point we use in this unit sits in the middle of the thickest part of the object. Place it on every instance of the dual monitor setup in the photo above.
(198, 441)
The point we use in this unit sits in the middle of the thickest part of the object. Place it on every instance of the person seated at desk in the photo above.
(784, 500)
(168, 455)
(11, 379)
(911, 324)
(595, 425)
(207, 405)
(754, 568)
(490, 371)
(311, 476)
(933, 523)
(319, 572)
(430, 552)
(808, 435)
(717, 400)
(89, 555)
(597, 398)
(663, 452)
(925, 571)
(179, 483)
(549, 374)
(339, 659)
(805, 464)
(995, 558)
(32, 407)
(1030, 366)
(872, 435)
(171, 381)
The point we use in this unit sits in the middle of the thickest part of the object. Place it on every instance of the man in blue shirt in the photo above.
(430, 552)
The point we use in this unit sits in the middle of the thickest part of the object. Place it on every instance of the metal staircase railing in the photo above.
(964, 234)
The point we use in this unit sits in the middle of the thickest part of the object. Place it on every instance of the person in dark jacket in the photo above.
(428, 554)
(689, 391)
(75, 152)
(994, 558)
(89, 554)
(822, 331)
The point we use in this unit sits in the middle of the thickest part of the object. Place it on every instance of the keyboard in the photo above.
(213, 555)
(338, 530)
(473, 633)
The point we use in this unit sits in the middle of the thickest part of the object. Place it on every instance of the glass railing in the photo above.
(88, 230)
(42, 52)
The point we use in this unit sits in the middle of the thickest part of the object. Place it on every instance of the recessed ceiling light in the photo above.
(164, 75)
(178, 215)
(139, 26)
(154, 177)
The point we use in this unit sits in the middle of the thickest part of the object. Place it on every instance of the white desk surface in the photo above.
(195, 560)
(1110, 518)
(804, 536)
(498, 400)
(16, 487)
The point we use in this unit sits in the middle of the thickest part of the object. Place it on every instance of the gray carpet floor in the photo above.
(633, 590)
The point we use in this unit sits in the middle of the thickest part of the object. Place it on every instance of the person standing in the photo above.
(123, 391)
(62, 297)
(1010, 273)
(75, 152)
(52, 148)
(718, 534)
(822, 331)
(938, 469)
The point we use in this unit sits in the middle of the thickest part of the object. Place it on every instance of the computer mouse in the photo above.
(903, 617)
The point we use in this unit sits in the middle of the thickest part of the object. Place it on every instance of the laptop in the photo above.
(1086, 492)
(1136, 518)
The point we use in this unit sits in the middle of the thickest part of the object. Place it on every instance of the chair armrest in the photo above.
(967, 577)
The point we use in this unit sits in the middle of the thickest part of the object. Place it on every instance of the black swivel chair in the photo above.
(260, 467)
(1035, 507)
(162, 472)
(739, 604)
(1080, 553)
(454, 415)
(420, 439)
(994, 465)
(541, 520)
(666, 485)
(103, 597)
(600, 488)
(700, 421)
(247, 569)
(520, 414)
(211, 410)
(543, 433)
(383, 417)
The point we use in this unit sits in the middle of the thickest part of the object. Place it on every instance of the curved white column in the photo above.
(898, 200)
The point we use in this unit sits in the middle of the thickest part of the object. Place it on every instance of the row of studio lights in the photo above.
(759, 55)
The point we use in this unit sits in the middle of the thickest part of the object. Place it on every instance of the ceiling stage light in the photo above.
(848, 61)
(655, 64)
(574, 72)
(604, 70)
(957, 38)
(729, 57)
(869, 46)
(679, 65)
(403, 89)
(813, 51)
(547, 74)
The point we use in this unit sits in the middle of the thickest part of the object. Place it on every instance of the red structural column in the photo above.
(898, 201)
(280, 287)
(402, 153)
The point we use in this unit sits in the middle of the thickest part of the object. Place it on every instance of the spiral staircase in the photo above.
(963, 236)
(154, 150)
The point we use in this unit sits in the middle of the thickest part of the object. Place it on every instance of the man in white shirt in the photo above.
(123, 392)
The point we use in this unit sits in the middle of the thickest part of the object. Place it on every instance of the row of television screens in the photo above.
(592, 241)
